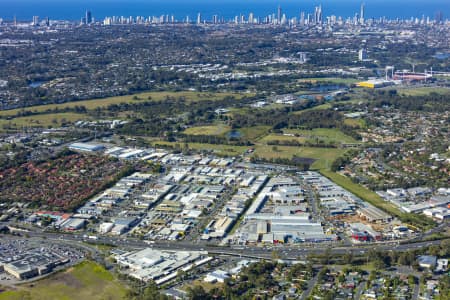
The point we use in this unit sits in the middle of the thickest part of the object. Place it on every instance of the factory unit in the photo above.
(73, 224)
(288, 218)
(233, 209)
(438, 213)
(114, 195)
(427, 261)
(151, 264)
(258, 203)
(132, 154)
(418, 200)
(156, 193)
(128, 153)
(299, 232)
(221, 227)
(105, 227)
(34, 264)
(85, 147)
(362, 232)
(338, 206)
(287, 195)
(216, 276)
(181, 204)
(279, 214)
(375, 83)
(134, 180)
(373, 214)
(21, 270)
(122, 225)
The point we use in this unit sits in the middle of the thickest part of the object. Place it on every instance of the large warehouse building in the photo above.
(86, 147)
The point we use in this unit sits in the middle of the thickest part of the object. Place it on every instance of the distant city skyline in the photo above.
(227, 9)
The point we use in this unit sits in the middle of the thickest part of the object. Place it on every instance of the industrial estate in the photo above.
(253, 157)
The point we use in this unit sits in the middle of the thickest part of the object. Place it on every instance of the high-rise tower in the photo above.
(320, 21)
(361, 15)
(362, 54)
(318, 14)
(279, 14)
(439, 17)
(88, 18)
(302, 18)
(35, 20)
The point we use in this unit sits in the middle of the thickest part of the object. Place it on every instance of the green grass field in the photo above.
(355, 122)
(331, 80)
(325, 134)
(422, 91)
(45, 120)
(207, 286)
(56, 119)
(324, 156)
(155, 96)
(322, 106)
(87, 280)
(222, 150)
(219, 129)
(254, 133)
(282, 138)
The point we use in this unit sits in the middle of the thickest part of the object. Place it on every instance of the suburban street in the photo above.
(311, 285)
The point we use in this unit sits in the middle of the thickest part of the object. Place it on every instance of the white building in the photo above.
(105, 227)
(217, 276)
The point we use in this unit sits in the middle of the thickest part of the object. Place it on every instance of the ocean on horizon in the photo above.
(74, 10)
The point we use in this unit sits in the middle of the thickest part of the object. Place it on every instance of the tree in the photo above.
(197, 292)
(275, 255)
(348, 257)
(326, 257)
(181, 274)
(445, 248)
(412, 279)
(379, 264)
(322, 274)
(434, 250)
(151, 292)
(415, 265)
(444, 288)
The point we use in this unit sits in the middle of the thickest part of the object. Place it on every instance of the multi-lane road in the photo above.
(286, 252)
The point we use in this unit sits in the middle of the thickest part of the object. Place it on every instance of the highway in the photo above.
(285, 252)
